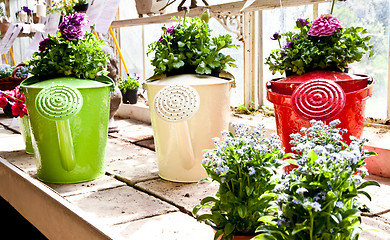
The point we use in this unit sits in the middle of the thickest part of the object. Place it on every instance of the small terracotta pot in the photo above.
(4, 27)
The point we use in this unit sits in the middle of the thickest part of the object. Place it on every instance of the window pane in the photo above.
(374, 16)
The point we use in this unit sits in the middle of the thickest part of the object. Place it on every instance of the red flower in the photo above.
(3, 101)
(19, 109)
(16, 100)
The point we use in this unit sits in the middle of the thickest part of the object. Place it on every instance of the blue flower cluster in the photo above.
(22, 72)
(326, 181)
(246, 146)
(5, 71)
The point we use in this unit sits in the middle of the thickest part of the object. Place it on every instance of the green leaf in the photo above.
(267, 219)
(208, 199)
(298, 228)
(180, 44)
(178, 64)
(242, 211)
(229, 228)
(368, 183)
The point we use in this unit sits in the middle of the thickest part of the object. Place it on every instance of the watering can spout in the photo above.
(59, 103)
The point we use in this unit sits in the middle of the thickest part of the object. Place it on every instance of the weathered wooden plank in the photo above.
(269, 4)
(227, 8)
(51, 214)
(249, 58)
(260, 60)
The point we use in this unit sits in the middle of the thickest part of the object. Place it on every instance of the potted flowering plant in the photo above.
(187, 47)
(316, 86)
(14, 105)
(318, 45)
(185, 57)
(4, 20)
(69, 95)
(81, 6)
(129, 88)
(73, 52)
(319, 199)
(10, 77)
(244, 165)
(65, 7)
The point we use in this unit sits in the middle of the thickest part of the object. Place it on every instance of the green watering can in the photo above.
(69, 123)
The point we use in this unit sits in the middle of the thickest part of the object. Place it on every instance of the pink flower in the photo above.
(325, 25)
(19, 109)
(3, 101)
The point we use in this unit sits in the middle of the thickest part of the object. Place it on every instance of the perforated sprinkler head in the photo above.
(176, 103)
(59, 102)
(318, 99)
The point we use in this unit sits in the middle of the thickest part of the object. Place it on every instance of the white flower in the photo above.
(216, 140)
(251, 170)
(334, 123)
(319, 150)
(283, 197)
(339, 204)
(316, 206)
(301, 191)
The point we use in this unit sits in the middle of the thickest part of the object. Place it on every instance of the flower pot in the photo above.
(4, 27)
(24, 127)
(149, 6)
(319, 95)
(130, 96)
(187, 111)
(81, 8)
(69, 119)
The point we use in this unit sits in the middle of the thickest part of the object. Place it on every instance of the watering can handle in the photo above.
(65, 145)
(59, 103)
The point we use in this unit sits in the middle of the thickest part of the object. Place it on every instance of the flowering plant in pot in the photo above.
(321, 44)
(187, 74)
(188, 47)
(73, 52)
(129, 88)
(69, 95)
(81, 6)
(4, 20)
(319, 199)
(245, 166)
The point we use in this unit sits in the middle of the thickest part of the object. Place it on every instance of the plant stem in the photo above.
(311, 225)
(331, 10)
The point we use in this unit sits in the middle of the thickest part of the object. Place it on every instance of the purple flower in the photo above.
(302, 22)
(72, 26)
(285, 47)
(44, 44)
(325, 25)
(276, 36)
(169, 31)
(26, 9)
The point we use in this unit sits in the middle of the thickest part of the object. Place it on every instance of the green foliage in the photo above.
(318, 200)
(128, 83)
(244, 165)
(82, 58)
(190, 46)
(307, 53)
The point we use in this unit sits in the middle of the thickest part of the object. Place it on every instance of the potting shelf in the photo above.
(130, 201)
